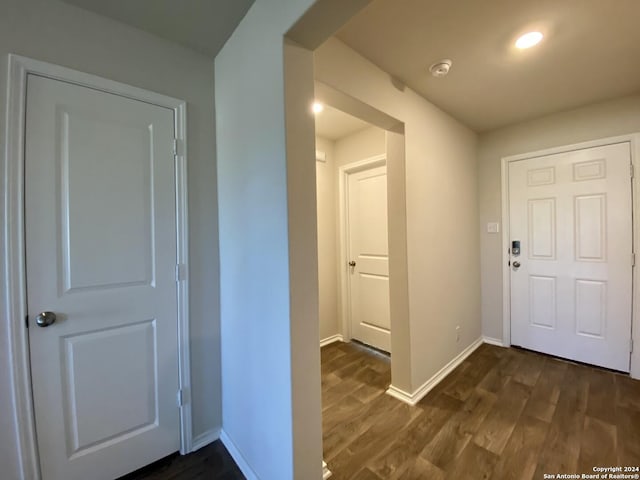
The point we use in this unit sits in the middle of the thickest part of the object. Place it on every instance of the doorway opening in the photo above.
(353, 247)
(354, 194)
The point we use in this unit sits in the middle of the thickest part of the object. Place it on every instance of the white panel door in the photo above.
(369, 257)
(101, 255)
(571, 285)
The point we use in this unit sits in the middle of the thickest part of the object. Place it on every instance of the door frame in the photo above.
(634, 143)
(14, 273)
(343, 206)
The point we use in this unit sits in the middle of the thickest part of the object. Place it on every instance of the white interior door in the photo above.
(101, 255)
(571, 293)
(369, 257)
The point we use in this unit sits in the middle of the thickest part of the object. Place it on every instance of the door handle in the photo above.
(44, 319)
(516, 264)
(352, 263)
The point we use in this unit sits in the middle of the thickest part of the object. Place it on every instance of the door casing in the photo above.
(14, 274)
(634, 142)
(343, 180)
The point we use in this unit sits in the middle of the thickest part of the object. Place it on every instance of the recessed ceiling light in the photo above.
(317, 107)
(529, 40)
(441, 67)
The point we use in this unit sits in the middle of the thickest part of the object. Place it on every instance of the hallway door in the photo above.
(571, 281)
(101, 284)
(369, 257)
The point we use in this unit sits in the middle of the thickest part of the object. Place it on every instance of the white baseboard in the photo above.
(426, 387)
(329, 340)
(401, 395)
(244, 467)
(326, 473)
(493, 341)
(205, 439)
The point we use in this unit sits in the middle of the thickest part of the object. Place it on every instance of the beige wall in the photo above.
(362, 144)
(327, 244)
(268, 243)
(592, 122)
(442, 214)
(268, 246)
(303, 262)
(62, 34)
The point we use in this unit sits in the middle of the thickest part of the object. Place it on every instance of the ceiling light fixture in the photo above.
(529, 40)
(441, 67)
(317, 107)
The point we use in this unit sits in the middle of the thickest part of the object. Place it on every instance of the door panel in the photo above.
(542, 301)
(368, 247)
(542, 226)
(571, 294)
(87, 200)
(129, 406)
(101, 254)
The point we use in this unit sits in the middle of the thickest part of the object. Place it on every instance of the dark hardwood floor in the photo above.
(212, 462)
(502, 414)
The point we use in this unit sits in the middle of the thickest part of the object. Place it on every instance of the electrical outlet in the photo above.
(458, 334)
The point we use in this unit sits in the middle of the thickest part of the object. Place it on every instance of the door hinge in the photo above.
(633, 259)
(180, 398)
(180, 272)
(26, 321)
(176, 147)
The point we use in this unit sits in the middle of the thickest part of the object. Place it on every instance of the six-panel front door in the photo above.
(369, 257)
(101, 255)
(571, 284)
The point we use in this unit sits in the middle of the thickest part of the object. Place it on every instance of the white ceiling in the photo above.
(201, 25)
(591, 53)
(334, 124)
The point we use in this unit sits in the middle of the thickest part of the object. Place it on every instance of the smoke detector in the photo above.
(441, 67)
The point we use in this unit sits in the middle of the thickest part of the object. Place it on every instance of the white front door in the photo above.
(369, 257)
(101, 255)
(571, 284)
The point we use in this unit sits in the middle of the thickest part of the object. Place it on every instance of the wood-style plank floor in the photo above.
(502, 414)
(212, 462)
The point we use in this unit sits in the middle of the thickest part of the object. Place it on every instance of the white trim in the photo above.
(493, 341)
(635, 321)
(14, 272)
(244, 467)
(504, 257)
(426, 387)
(332, 339)
(205, 439)
(14, 252)
(182, 259)
(634, 141)
(326, 473)
(343, 174)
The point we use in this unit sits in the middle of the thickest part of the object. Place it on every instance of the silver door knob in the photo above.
(516, 264)
(44, 319)
(352, 263)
